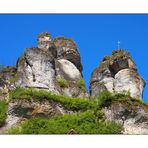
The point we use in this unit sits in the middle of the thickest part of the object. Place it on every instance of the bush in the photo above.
(62, 82)
(104, 99)
(3, 112)
(13, 79)
(81, 84)
(79, 123)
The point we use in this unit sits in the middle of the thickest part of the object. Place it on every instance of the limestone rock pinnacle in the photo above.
(117, 73)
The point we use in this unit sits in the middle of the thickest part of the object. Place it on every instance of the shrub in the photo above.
(80, 123)
(62, 82)
(13, 79)
(104, 99)
(3, 112)
(106, 58)
(81, 84)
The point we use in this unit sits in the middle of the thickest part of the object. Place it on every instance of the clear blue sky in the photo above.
(95, 35)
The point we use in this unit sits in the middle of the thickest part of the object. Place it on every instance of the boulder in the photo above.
(129, 80)
(67, 70)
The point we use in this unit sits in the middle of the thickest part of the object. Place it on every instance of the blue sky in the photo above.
(95, 35)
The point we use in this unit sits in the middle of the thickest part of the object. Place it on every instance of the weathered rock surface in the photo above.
(67, 70)
(21, 110)
(134, 118)
(40, 66)
(36, 69)
(4, 94)
(67, 49)
(117, 73)
(7, 78)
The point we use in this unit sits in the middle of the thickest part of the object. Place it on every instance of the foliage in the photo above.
(13, 79)
(68, 102)
(120, 53)
(81, 84)
(91, 119)
(105, 99)
(62, 82)
(3, 112)
(80, 123)
(106, 58)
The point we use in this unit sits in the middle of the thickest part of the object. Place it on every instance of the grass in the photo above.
(62, 82)
(104, 99)
(3, 112)
(75, 104)
(79, 123)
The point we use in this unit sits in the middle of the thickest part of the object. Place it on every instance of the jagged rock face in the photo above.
(7, 78)
(134, 118)
(40, 66)
(3, 90)
(67, 49)
(37, 69)
(117, 73)
(21, 110)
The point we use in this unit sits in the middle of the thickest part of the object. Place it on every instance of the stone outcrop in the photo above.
(21, 110)
(7, 79)
(134, 118)
(117, 73)
(55, 65)
(53, 59)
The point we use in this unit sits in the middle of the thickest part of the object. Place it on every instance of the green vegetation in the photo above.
(13, 79)
(89, 118)
(62, 82)
(21, 60)
(79, 123)
(106, 58)
(3, 112)
(120, 53)
(106, 98)
(68, 102)
(116, 54)
(81, 84)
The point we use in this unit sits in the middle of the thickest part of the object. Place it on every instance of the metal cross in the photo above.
(119, 44)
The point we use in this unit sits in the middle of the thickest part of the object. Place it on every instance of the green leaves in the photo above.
(3, 112)
(75, 104)
(81, 123)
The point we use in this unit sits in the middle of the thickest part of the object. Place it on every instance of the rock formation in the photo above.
(133, 117)
(53, 62)
(117, 73)
(7, 79)
(55, 66)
